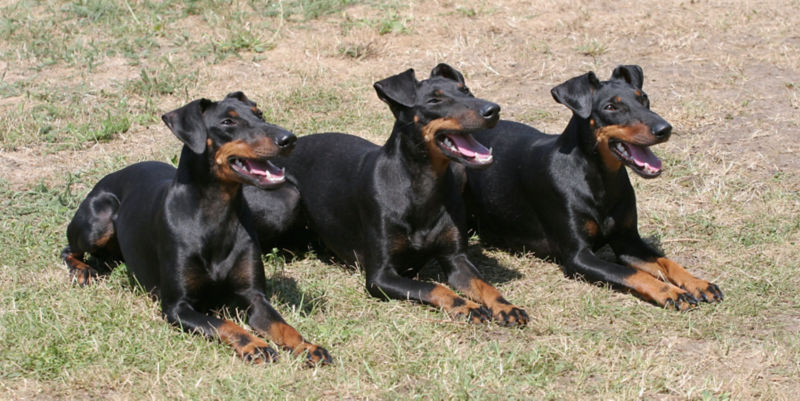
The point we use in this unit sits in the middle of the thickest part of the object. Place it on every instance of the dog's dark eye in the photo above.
(227, 121)
(434, 100)
(610, 107)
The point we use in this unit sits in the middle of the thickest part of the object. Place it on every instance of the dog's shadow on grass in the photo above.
(286, 291)
(490, 269)
(283, 288)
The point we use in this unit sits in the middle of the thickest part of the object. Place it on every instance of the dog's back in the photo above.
(329, 169)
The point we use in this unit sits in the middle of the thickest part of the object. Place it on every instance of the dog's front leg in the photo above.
(463, 276)
(263, 318)
(246, 345)
(384, 282)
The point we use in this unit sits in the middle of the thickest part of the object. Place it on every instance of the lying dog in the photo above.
(185, 234)
(566, 196)
(390, 209)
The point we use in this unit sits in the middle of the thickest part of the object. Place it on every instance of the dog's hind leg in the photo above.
(92, 231)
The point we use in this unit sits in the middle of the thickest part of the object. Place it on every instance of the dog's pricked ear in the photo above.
(239, 95)
(398, 90)
(187, 124)
(445, 71)
(576, 93)
(632, 74)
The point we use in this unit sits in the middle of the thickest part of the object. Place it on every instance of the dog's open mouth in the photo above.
(259, 172)
(639, 158)
(463, 148)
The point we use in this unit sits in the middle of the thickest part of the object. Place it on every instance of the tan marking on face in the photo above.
(439, 161)
(637, 92)
(264, 147)
(233, 113)
(637, 134)
(617, 99)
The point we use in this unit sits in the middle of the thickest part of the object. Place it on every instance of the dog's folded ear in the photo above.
(239, 95)
(576, 93)
(632, 74)
(445, 71)
(187, 124)
(398, 91)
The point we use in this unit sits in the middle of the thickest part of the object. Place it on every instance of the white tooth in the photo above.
(490, 150)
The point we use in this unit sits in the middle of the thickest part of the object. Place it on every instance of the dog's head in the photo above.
(444, 113)
(233, 135)
(619, 115)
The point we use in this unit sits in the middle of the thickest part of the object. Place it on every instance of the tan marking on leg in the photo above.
(666, 269)
(669, 270)
(79, 271)
(652, 289)
(502, 310)
(286, 336)
(245, 344)
(444, 298)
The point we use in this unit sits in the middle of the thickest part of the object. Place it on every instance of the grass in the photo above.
(82, 86)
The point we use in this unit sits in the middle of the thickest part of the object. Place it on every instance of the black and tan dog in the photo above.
(566, 196)
(185, 234)
(391, 209)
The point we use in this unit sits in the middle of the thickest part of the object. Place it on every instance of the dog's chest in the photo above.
(408, 239)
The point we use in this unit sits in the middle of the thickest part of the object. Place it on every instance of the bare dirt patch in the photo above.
(731, 81)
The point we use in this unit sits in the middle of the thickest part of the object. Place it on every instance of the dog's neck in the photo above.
(218, 199)
(579, 136)
(406, 147)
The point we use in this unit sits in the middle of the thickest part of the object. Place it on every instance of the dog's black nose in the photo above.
(490, 111)
(285, 139)
(661, 129)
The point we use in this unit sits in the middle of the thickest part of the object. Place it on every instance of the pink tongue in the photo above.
(468, 146)
(263, 168)
(643, 157)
